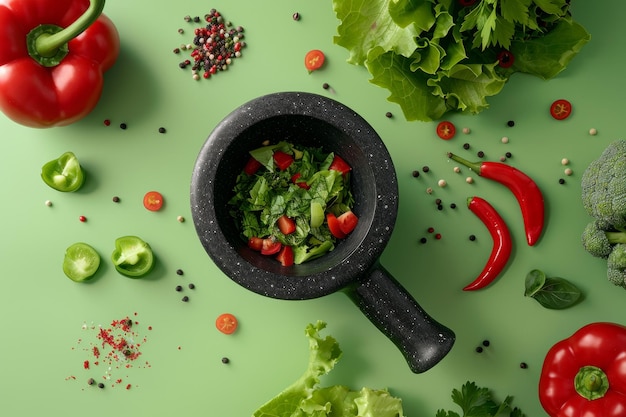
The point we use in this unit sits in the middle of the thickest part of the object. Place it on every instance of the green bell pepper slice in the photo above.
(132, 256)
(64, 173)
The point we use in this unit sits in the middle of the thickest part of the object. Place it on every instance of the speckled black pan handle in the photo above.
(423, 341)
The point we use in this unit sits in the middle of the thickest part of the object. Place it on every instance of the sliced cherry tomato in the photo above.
(282, 160)
(286, 225)
(252, 166)
(314, 60)
(255, 243)
(446, 130)
(561, 109)
(153, 200)
(302, 184)
(506, 59)
(334, 227)
(285, 256)
(347, 222)
(226, 323)
(270, 246)
(338, 164)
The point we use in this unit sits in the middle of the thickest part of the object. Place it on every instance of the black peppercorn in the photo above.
(415, 174)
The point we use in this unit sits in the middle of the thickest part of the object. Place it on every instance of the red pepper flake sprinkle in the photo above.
(116, 346)
(214, 46)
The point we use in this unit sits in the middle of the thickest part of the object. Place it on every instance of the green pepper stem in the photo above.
(474, 166)
(47, 44)
(591, 382)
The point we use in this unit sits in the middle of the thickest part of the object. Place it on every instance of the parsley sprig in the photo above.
(479, 402)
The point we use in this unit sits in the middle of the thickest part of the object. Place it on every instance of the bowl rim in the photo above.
(284, 286)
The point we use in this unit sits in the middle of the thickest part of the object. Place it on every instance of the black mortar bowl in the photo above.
(353, 266)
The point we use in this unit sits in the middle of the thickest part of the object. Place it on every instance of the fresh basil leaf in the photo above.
(535, 280)
(557, 294)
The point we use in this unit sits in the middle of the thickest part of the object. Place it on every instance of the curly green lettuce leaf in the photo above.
(547, 56)
(435, 56)
(426, 97)
(366, 24)
(304, 398)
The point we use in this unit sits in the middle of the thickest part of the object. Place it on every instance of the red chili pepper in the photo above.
(585, 374)
(52, 59)
(523, 188)
(502, 245)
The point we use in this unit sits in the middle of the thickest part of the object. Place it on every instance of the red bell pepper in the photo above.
(585, 374)
(53, 54)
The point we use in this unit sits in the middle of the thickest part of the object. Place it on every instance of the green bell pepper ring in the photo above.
(64, 173)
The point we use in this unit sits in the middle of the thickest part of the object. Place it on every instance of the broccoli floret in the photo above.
(604, 186)
(616, 265)
(598, 239)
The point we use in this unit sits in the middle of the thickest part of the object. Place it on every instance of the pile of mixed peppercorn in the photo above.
(214, 45)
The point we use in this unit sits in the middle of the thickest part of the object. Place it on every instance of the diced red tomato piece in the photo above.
(252, 166)
(270, 246)
(255, 243)
(286, 225)
(347, 221)
(302, 184)
(282, 160)
(285, 256)
(338, 164)
(334, 227)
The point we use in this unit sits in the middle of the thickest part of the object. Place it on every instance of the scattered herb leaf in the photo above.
(551, 292)
(478, 402)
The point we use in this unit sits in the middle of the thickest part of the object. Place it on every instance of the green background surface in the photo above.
(42, 312)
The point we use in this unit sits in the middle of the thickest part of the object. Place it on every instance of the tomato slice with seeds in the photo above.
(314, 59)
(153, 200)
(446, 130)
(561, 109)
(226, 323)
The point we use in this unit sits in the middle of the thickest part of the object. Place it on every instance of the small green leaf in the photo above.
(553, 293)
(534, 281)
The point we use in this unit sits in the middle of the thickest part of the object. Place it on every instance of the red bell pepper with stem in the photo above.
(524, 189)
(585, 374)
(502, 244)
(53, 54)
